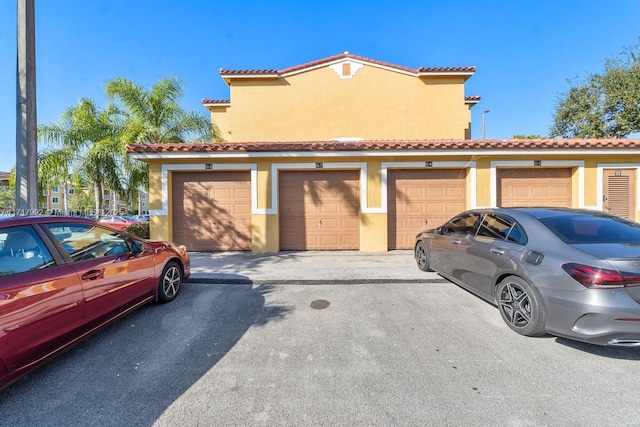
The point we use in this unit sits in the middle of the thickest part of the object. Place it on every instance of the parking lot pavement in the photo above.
(308, 267)
(367, 354)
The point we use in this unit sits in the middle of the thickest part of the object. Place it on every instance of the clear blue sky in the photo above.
(524, 51)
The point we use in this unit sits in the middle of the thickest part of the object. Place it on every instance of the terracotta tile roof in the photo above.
(248, 72)
(435, 145)
(215, 101)
(278, 73)
(447, 70)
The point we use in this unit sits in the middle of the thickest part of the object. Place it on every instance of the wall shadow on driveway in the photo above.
(236, 265)
(132, 371)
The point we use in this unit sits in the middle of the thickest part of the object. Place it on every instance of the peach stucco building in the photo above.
(353, 153)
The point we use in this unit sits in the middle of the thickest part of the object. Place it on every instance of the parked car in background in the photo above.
(119, 221)
(63, 278)
(566, 272)
(142, 217)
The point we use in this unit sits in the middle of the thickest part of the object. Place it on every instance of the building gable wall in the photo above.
(374, 103)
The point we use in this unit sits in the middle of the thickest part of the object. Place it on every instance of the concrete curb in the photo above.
(308, 267)
(222, 281)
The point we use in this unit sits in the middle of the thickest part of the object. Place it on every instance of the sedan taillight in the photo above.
(602, 278)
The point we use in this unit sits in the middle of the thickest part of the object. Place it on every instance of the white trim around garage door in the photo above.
(276, 167)
(431, 165)
(534, 164)
(361, 166)
(166, 168)
(600, 180)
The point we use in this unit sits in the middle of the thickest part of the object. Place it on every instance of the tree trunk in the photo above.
(66, 197)
(97, 191)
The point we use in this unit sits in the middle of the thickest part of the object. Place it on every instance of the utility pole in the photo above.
(484, 113)
(26, 120)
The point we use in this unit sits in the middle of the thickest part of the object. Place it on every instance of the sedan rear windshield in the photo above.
(593, 229)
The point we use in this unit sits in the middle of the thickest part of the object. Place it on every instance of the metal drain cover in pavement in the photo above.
(320, 304)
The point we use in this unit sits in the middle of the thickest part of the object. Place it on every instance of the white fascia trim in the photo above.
(202, 167)
(249, 76)
(600, 179)
(435, 165)
(530, 164)
(217, 104)
(362, 167)
(375, 153)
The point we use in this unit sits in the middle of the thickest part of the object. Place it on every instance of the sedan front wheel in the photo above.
(520, 307)
(422, 257)
(170, 282)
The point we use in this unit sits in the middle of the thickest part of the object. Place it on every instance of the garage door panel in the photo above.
(437, 192)
(329, 208)
(222, 194)
(455, 192)
(415, 192)
(418, 196)
(415, 223)
(330, 224)
(414, 209)
(534, 187)
(212, 210)
(325, 207)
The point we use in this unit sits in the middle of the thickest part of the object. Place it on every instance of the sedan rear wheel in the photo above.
(170, 282)
(520, 307)
(422, 257)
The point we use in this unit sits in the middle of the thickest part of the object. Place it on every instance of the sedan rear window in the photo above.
(502, 228)
(21, 249)
(464, 224)
(593, 229)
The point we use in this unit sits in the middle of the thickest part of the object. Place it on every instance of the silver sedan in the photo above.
(565, 272)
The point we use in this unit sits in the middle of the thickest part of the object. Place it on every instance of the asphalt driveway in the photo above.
(325, 354)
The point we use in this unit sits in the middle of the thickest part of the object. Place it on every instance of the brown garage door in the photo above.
(212, 210)
(420, 199)
(319, 210)
(534, 187)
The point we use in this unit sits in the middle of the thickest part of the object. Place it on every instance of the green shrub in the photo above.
(140, 230)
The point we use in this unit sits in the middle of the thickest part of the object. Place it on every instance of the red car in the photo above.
(63, 278)
(120, 221)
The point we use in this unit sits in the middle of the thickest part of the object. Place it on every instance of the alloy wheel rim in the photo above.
(171, 282)
(422, 256)
(515, 305)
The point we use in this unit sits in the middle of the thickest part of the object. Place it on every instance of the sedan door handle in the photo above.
(92, 275)
(497, 251)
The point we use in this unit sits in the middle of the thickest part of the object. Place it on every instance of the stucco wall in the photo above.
(317, 105)
(586, 185)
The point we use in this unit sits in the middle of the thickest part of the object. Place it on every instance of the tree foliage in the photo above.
(82, 202)
(7, 199)
(88, 145)
(603, 105)
(83, 146)
(520, 136)
(154, 116)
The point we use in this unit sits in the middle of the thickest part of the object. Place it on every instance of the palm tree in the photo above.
(85, 141)
(154, 116)
(55, 167)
